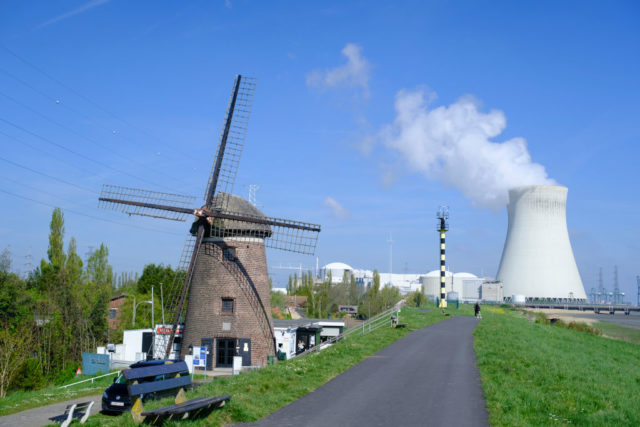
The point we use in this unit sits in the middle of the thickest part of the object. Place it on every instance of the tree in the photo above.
(100, 286)
(56, 239)
(15, 304)
(14, 348)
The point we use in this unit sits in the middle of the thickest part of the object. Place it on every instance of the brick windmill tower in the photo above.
(224, 300)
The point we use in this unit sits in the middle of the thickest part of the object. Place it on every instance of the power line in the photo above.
(86, 215)
(87, 99)
(62, 147)
(41, 151)
(91, 140)
(39, 190)
(49, 176)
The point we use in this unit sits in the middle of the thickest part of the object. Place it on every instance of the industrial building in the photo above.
(537, 261)
(464, 286)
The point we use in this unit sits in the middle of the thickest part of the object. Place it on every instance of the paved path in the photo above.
(428, 378)
(37, 417)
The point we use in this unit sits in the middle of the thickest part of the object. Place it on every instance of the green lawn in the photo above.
(619, 332)
(537, 374)
(263, 391)
(20, 400)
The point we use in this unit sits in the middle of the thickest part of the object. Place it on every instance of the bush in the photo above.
(66, 374)
(29, 376)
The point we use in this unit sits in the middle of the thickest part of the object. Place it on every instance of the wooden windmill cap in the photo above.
(239, 206)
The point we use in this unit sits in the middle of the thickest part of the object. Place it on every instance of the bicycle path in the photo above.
(428, 378)
(37, 417)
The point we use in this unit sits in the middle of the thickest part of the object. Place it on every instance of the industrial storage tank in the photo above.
(537, 260)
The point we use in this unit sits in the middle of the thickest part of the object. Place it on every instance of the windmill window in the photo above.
(112, 313)
(229, 254)
(227, 305)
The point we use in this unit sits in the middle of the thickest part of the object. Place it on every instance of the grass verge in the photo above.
(538, 374)
(21, 400)
(618, 332)
(261, 392)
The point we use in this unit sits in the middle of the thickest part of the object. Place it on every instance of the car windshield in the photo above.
(121, 379)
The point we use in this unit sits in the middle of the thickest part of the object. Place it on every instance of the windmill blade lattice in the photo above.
(231, 142)
(112, 195)
(175, 302)
(279, 233)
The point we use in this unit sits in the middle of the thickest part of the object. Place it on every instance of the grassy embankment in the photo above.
(264, 391)
(620, 332)
(20, 400)
(537, 374)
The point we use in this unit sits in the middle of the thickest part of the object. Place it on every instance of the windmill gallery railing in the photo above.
(380, 320)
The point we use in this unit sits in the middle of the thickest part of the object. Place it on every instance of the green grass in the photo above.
(537, 374)
(20, 400)
(261, 392)
(619, 332)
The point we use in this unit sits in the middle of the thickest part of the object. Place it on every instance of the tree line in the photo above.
(325, 297)
(61, 309)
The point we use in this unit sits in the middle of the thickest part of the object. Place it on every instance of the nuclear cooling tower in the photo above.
(537, 260)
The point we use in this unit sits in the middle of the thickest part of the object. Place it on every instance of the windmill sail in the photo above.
(115, 197)
(231, 143)
(176, 297)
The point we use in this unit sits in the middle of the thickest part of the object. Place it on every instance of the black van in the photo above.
(116, 397)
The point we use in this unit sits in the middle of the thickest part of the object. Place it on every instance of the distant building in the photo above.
(115, 311)
(467, 286)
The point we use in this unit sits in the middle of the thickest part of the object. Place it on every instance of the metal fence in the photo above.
(378, 321)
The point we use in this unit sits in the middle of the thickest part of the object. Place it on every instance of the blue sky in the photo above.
(134, 93)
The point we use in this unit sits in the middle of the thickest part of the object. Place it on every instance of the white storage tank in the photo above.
(518, 299)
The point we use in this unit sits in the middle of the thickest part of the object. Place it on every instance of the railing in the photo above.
(90, 379)
(376, 322)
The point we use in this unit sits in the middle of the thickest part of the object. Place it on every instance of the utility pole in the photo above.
(162, 303)
(390, 241)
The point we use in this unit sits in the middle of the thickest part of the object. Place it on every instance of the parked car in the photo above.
(116, 399)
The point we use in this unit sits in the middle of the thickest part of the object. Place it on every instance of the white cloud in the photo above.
(453, 144)
(337, 209)
(355, 73)
(87, 6)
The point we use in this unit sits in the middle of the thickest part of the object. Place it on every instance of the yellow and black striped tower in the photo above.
(443, 227)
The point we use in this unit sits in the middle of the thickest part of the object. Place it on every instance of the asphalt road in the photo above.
(40, 416)
(428, 378)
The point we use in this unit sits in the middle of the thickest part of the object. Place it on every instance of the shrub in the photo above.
(29, 376)
(66, 374)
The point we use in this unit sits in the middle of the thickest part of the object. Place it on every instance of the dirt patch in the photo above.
(561, 314)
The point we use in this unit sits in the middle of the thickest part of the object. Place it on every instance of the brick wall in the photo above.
(216, 278)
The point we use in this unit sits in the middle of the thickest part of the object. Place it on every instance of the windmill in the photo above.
(225, 295)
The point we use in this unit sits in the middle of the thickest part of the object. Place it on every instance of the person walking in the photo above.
(476, 310)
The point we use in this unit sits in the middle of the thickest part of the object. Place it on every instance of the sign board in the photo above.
(349, 309)
(93, 363)
(200, 357)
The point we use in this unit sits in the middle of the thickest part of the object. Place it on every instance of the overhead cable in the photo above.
(137, 227)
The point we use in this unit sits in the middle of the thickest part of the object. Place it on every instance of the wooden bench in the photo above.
(163, 379)
(77, 410)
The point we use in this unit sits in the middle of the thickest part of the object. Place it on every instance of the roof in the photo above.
(337, 266)
(465, 276)
(306, 322)
(239, 206)
(436, 273)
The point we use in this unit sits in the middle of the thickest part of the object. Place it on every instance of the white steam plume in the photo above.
(453, 145)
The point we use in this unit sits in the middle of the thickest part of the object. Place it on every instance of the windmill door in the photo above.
(245, 351)
(225, 352)
(208, 342)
